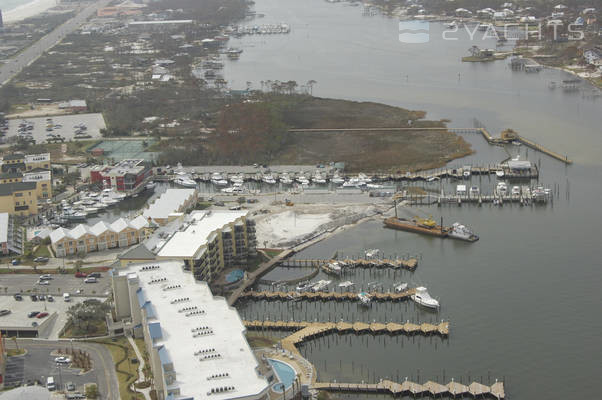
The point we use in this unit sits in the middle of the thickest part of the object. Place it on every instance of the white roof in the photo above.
(99, 228)
(3, 227)
(36, 176)
(79, 231)
(198, 227)
(119, 225)
(168, 203)
(139, 222)
(37, 157)
(59, 234)
(176, 335)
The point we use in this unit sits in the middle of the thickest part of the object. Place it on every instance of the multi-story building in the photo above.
(209, 241)
(11, 235)
(85, 239)
(126, 175)
(41, 177)
(19, 198)
(195, 341)
(37, 161)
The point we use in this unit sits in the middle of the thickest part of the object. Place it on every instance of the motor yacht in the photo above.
(423, 298)
(459, 231)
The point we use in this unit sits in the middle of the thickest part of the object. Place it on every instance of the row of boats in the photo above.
(501, 190)
(420, 296)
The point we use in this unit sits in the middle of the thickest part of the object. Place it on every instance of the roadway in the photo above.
(16, 64)
(39, 362)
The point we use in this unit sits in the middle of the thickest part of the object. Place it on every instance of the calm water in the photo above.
(524, 302)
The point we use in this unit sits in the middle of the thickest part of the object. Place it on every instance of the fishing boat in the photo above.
(346, 284)
(364, 298)
(320, 285)
(401, 287)
(423, 298)
(461, 232)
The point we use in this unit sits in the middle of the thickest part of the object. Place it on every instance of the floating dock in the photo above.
(407, 388)
(324, 296)
(395, 263)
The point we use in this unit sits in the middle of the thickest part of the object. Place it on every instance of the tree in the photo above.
(91, 391)
(83, 316)
(310, 84)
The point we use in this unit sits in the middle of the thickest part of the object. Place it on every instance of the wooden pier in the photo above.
(430, 388)
(308, 330)
(396, 263)
(324, 296)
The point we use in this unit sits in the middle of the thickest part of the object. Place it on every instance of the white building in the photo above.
(171, 205)
(195, 341)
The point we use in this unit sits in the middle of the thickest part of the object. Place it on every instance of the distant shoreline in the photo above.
(27, 10)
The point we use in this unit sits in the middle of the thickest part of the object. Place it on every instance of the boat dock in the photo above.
(324, 296)
(308, 330)
(396, 263)
(407, 388)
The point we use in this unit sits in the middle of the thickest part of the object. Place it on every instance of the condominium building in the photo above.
(11, 235)
(41, 177)
(209, 241)
(84, 239)
(195, 341)
(19, 198)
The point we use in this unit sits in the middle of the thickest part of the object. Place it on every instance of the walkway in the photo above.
(141, 377)
(325, 296)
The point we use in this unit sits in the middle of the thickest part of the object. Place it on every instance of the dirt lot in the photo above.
(375, 151)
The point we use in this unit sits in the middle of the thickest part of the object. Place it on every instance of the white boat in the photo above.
(364, 298)
(371, 253)
(334, 267)
(364, 178)
(285, 179)
(237, 179)
(423, 298)
(452, 25)
(150, 186)
(185, 181)
(501, 188)
(350, 184)
(320, 285)
(269, 179)
(466, 171)
(474, 191)
(499, 173)
(304, 287)
(318, 179)
(90, 210)
(302, 179)
(337, 179)
(346, 284)
(401, 287)
(459, 231)
(483, 27)
(374, 186)
(233, 190)
(515, 191)
(109, 202)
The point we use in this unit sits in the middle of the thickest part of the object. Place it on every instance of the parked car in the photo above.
(18, 297)
(62, 360)
(42, 315)
(49, 298)
(15, 262)
(41, 260)
(70, 386)
(41, 297)
(94, 275)
(4, 312)
(90, 279)
(80, 274)
(45, 277)
(32, 314)
(33, 297)
(45, 283)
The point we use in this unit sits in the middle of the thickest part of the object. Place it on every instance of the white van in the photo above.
(50, 383)
(66, 297)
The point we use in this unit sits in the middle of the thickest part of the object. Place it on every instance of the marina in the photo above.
(326, 296)
(409, 264)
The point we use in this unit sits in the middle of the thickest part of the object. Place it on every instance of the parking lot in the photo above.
(59, 284)
(38, 364)
(66, 126)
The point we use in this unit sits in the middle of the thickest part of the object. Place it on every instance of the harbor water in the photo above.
(524, 301)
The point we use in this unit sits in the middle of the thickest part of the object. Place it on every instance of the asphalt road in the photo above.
(59, 284)
(15, 65)
(38, 364)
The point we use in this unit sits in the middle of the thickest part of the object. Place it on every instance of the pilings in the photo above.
(409, 264)
(325, 296)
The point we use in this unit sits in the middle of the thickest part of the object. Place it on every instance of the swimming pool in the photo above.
(235, 276)
(285, 373)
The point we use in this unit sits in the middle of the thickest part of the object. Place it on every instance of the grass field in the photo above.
(127, 373)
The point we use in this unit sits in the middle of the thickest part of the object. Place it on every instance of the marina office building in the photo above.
(209, 241)
(195, 341)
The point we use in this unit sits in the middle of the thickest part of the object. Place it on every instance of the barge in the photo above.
(416, 226)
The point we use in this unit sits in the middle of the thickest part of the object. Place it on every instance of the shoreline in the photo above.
(27, 10)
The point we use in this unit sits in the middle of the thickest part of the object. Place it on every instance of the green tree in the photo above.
(85, 315)
(91, 391)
